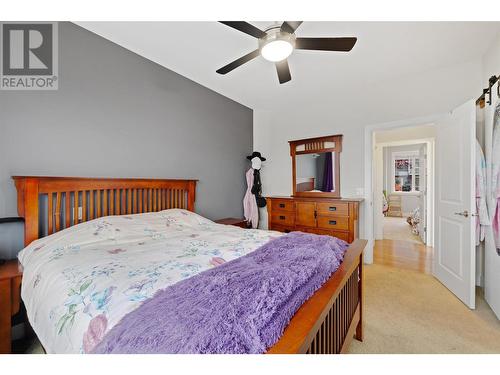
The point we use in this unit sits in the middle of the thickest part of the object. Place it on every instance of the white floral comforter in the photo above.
(78, 283)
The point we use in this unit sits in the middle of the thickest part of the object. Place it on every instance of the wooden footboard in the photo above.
(328, 321)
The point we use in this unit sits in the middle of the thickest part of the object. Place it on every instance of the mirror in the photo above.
(315, 172)
(316, 166)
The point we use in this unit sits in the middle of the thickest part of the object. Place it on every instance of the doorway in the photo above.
(452, 226)
(403, 196)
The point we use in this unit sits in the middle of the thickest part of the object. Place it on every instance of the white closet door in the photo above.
(455, 252)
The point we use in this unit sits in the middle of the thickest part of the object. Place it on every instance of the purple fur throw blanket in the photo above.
(241, 306)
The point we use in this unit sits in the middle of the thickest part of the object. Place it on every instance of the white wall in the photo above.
(405, 134)
(491, 61)
(424, 94)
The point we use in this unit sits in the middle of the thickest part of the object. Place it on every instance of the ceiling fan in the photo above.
(277, 42)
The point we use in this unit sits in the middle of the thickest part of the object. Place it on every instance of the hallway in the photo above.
(408, 311)
(396, 228)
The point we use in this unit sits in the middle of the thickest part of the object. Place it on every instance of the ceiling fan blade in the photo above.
(238, 62)
(326, 44)
(290, 26)
(283, 71)
(246, 28)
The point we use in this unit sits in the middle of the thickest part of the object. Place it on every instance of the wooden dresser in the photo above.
(333, 216)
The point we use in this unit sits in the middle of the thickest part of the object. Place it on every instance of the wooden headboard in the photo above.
(49, 204)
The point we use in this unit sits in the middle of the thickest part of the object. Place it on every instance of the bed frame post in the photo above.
(27, 207)
(191, 195)
(359, 327)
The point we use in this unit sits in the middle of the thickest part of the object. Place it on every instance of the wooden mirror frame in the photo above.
(315, 146)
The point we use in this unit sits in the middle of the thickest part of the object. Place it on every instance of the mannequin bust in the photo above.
(256, 163)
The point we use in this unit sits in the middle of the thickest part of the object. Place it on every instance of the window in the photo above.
(406, 172)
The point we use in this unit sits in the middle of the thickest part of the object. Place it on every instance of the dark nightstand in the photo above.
(233, 221)
(10, 300)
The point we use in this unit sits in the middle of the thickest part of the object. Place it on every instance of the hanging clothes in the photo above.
(250, 208)
(482, 216)
(495, 177)
(328, 173)
(257, 189)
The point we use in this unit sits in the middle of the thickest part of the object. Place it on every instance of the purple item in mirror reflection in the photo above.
(328, 173)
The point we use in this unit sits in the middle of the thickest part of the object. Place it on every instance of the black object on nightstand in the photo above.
(242, 223)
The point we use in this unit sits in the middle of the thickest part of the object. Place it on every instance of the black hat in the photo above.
(256, 154)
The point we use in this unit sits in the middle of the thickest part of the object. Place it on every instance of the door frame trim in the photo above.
(369, 144)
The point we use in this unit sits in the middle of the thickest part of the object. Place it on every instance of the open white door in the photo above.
(455, 253)
(422, 225)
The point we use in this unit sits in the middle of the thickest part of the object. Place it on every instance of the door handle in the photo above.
(465, 213)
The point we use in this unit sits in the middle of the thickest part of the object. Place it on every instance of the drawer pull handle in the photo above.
(332, 222)
(282, 217)
(282, 205)
(332, 208)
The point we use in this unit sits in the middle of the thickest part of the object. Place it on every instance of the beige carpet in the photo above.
(410, 312)
(396, 228)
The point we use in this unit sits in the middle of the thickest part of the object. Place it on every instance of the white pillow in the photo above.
(185, 217)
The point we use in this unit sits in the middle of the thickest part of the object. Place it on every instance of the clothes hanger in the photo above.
(491, 82)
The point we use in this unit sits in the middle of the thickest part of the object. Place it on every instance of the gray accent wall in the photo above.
(11, 239)
(117, 114)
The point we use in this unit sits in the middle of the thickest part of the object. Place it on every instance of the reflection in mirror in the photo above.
(315, 172)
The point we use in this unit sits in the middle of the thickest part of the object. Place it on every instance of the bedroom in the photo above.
(138, 124)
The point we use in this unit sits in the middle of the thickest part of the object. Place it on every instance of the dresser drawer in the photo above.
(336, 223)
(283, 218)
(333, 208)
(282, 205)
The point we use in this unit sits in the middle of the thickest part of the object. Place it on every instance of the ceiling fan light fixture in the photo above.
(276, 50)
(277, 42)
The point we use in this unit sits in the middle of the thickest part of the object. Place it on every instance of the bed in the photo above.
(305, 184)
(120, 212)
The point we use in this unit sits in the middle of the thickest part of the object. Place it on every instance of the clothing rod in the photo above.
(491, 83)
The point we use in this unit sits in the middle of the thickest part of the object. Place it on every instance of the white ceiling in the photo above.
(385, 52)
